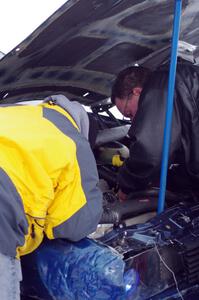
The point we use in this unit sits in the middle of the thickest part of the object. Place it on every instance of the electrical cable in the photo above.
(171, 271)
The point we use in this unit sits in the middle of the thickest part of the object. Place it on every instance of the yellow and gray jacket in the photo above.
(48, 178)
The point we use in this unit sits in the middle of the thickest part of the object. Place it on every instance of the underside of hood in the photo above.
(83, 45)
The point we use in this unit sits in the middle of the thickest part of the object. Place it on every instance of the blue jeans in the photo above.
(10, 277)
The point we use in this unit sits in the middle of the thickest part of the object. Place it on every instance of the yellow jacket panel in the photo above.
(48, 178)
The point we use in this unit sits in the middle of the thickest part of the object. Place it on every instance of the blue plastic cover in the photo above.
(77, 271)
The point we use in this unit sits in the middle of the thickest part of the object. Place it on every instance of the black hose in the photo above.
(107, 175)
(137, 203)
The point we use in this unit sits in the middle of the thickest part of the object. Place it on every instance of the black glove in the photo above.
(109, 215)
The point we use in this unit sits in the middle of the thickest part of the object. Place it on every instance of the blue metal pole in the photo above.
(169, 110)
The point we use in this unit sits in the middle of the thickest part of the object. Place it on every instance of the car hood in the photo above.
(83, 45)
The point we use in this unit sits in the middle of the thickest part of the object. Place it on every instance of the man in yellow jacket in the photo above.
(48, 181)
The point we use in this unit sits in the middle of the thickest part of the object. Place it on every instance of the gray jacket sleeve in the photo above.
(86, 219)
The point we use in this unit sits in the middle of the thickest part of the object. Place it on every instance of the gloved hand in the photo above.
(109, 215)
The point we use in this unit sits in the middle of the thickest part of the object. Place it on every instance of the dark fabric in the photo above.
(14, 224)
(93, 130)
(146, 132)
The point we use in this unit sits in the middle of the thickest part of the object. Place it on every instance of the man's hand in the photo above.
(122, 196)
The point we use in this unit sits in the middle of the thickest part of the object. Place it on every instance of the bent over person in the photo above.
(48, 181)
(141, 95)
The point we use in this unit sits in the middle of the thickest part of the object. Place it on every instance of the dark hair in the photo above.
(128, 79)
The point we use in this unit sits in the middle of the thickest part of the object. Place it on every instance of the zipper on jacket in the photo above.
(32, 231)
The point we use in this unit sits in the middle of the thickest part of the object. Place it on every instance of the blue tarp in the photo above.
(74, 271)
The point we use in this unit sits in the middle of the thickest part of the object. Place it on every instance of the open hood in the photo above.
(1, 55)
(83, 45)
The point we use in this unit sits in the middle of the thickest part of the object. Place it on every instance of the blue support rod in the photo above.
(169, 109)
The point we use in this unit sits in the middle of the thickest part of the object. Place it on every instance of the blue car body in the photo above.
(77, 52)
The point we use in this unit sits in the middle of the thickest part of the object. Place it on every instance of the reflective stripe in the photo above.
(86, 219)
(13, 223)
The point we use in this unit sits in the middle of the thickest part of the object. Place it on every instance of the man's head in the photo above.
(127, 88)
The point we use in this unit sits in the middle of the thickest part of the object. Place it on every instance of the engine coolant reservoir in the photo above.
(113, 153)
